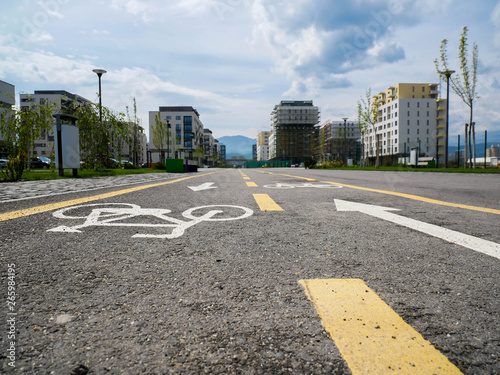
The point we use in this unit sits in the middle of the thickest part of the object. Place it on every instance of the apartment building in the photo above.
(186, 132)
(293, 130)
(263, 146)
(63, 101)
(409, 116)
(211, 148)
(339, 140)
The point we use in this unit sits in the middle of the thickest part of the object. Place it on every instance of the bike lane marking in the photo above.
(54, 206)
(419, 198)
(372, 337)
(117, 214)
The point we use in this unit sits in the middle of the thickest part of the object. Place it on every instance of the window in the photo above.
(188, 144)
(395, 132)
(423, 89)
(188, 128)
(178, 127)
(408, 105)
(169, 117)
(418, 122)
(188, 119)
(418, 104)
(427, 133)
(427, 113)
(413, 89)
(408, 113)
(177, 117)
(418, 113)
(408, 132)
(418, 131)
(428, 104)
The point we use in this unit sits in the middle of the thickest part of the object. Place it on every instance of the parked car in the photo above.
(38, 163)
(3, 163)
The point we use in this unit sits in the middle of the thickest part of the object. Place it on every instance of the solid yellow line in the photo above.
(55, 206)
(418, 198)
(289, 175)
(252, 184)
(266, 203)
(371, 337)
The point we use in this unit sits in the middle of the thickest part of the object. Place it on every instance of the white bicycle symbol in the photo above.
(116, 215)
(305, 185)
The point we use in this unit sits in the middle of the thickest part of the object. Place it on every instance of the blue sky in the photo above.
(233, 60)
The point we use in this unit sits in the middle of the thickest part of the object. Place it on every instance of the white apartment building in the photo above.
(263, 146)
(186, 132)
(339, 140)
(63, 101)
(407, 118)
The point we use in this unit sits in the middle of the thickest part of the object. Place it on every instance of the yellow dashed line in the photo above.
(55, 206)
(266, 203)
(252, 184)
(371, 337)
(418, 198)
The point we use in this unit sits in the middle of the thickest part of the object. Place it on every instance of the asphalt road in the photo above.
(166, 278)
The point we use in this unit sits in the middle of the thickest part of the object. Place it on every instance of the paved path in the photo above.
(12, 191)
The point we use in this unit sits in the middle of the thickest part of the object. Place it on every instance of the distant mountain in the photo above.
(237, 145)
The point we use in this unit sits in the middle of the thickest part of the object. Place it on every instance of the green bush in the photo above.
(14, 168)
(159, 165)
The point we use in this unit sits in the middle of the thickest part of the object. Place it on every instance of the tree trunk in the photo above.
(465, 147)
(473, 126)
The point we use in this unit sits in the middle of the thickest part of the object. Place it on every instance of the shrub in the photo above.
(14, 168)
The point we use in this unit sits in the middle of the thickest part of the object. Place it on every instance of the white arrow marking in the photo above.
(205, 186)
(471, 242)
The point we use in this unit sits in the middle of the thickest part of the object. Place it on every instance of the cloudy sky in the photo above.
(233, 60)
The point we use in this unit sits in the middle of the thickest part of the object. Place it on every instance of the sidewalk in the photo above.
(12, 191)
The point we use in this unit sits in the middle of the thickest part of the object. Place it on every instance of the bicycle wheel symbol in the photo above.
(214, 213)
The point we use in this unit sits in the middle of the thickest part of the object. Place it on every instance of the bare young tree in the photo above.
(464, 84)
(160, 131)
(367, 118)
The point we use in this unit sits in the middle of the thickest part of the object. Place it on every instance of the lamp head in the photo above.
(99, 72)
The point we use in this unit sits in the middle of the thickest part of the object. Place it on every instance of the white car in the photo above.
(3, 163)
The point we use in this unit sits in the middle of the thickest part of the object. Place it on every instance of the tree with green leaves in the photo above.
(96, 139)
(367, 118)
(464, 84)
(23, 126)
(160, 136)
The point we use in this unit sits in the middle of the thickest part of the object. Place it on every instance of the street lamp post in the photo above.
(345, 138)
(447, 73)
(168, 139)
(99, 73)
